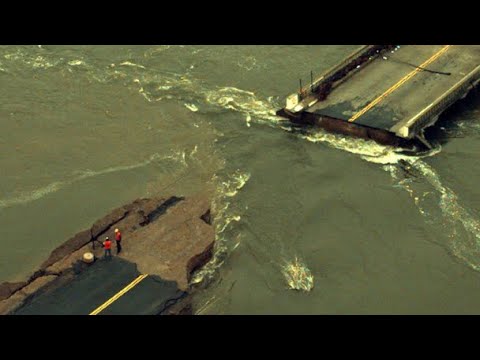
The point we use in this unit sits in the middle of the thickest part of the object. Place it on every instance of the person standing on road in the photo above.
(118, 239)
(107, 244)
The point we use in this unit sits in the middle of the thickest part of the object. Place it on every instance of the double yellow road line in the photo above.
(399, 83)
(118, 295)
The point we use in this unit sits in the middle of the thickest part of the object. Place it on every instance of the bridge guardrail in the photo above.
(422, 119)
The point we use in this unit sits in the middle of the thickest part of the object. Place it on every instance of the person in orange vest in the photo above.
(118, 239)
(107, 244)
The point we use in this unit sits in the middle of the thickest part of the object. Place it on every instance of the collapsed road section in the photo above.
(165, 240)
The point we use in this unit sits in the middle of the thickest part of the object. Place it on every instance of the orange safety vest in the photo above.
(107, 244)
(118, 236)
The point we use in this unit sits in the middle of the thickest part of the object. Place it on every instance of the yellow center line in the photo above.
(119, 294)
(399, 83)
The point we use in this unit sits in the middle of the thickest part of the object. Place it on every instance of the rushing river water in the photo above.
(85, 129)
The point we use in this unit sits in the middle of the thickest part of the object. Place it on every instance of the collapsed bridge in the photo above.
(387, 93)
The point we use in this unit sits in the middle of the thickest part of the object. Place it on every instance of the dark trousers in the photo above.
(119, 247)
(108, 252)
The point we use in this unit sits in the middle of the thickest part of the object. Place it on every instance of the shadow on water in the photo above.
(449, 124)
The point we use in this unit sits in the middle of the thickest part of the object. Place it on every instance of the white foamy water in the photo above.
(128, 63)
(225, 215)
(248, 63)
(156, 50)
(263, 112)
(455, 217)
(76, 62)
(196, 79)
(297, 275)
(36, 62)
(453, 213)
(245, 102)
(155, 86)
(368, 150)
(39, 193)
(191, 107)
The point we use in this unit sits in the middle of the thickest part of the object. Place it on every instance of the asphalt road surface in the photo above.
(409, 97)
(107, 287)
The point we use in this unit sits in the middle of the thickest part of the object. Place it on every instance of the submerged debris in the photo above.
(298, 276)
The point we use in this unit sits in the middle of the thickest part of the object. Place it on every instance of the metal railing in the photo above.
(325, 82)
(460, 89)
